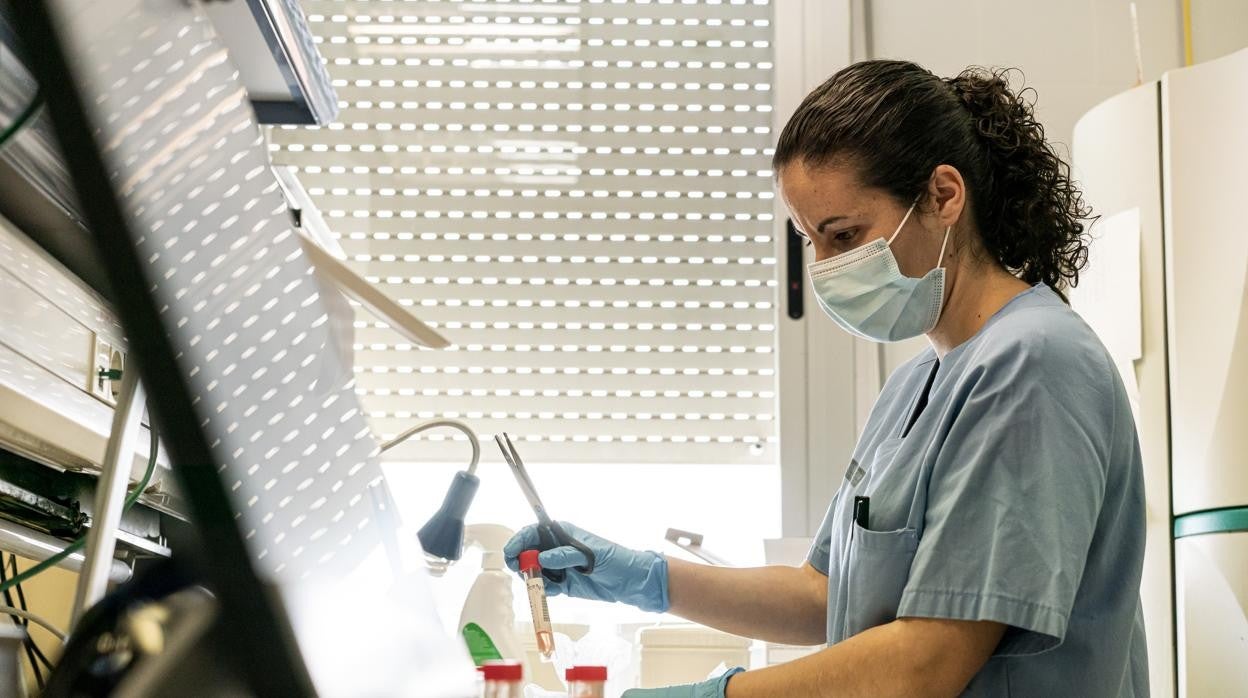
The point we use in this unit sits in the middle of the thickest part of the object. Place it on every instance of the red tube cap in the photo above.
(503, 670)
(586, 673)
(528, 561)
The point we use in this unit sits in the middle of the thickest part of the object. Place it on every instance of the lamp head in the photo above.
(443, 536)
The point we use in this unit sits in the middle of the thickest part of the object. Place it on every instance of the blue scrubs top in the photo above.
(1015, 495)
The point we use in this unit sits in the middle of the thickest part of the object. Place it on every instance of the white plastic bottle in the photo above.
(488, 620)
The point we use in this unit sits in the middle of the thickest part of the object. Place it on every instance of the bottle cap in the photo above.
(586, 673)
(528, 561)
(503, 670)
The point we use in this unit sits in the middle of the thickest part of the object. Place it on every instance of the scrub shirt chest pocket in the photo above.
(877, 562)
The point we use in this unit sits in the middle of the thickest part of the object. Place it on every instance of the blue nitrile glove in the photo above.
(711, 688)
(634, 577)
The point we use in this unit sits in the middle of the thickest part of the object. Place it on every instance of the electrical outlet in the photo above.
(116, 362)
(105, 374)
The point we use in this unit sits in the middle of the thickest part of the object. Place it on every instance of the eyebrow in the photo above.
(828, 221)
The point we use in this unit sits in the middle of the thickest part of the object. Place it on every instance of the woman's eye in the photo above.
(844, 235)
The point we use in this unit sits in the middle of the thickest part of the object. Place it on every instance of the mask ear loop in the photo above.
(940, 261)
(902, 224)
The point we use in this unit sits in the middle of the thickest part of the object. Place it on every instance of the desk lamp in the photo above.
(442, 537)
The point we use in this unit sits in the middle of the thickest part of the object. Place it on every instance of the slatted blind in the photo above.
(577, 194)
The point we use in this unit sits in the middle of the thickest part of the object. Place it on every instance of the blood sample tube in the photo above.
(586, 681)
(531, 570)
(503, 679)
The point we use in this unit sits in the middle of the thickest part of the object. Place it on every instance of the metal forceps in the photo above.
(549, 533)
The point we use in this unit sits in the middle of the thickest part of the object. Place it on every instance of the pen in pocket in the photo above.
(862, 511)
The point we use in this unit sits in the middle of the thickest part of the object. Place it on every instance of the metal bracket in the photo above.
(110, 494)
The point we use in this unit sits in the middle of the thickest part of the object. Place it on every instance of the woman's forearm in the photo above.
(775, 603)
(911, 657)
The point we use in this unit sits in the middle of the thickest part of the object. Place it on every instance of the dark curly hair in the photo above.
(895, 122)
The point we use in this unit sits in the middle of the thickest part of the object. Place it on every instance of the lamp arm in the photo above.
(451, 423)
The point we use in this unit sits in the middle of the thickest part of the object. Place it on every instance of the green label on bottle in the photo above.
(480, 646)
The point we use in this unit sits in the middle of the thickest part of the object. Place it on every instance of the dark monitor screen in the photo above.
(229, 327)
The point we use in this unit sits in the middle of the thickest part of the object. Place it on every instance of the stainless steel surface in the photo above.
(305, 61)
(34, 545)
(144, 545)
(44, 333)
(55, 227)
(270, 43)
(48, 420)
(311, 222)
(35, 190)
(522, 476)
(31, 151)
(110, 496)
(50, 324)
(46, 277)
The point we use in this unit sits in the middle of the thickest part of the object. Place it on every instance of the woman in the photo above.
(999, 547)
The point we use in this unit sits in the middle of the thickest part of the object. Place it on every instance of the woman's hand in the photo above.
(711, 688)
(637, 578)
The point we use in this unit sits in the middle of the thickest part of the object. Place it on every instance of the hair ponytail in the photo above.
(896, 122)
(1030, 213)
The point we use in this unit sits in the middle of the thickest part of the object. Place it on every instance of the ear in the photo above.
(946, 191)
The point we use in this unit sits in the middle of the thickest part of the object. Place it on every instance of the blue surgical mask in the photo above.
(865, 293)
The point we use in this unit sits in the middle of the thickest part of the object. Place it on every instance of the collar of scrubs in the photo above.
(1038, 290)
(921, 403)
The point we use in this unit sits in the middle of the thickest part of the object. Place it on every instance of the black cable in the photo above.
(32, 648)
(33, 651)
(8, 601)
(80, 542)
(21, 623)
(21, 599)
(15, 582)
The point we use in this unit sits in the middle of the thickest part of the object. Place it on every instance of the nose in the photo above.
(822, 252)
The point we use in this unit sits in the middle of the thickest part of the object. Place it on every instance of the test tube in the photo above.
(531, 570)
(503, 679)
(586, 681)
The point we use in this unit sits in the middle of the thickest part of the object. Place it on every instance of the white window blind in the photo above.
(577, 194)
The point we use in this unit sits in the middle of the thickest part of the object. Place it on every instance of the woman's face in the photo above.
(832, 209)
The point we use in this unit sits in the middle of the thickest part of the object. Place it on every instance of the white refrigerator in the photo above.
(1166, 165)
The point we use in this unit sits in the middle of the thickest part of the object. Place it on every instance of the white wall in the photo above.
(1075, 53)
(1219, 27)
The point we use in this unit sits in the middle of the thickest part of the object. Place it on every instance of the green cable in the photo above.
(27, 114)
(82, 540)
